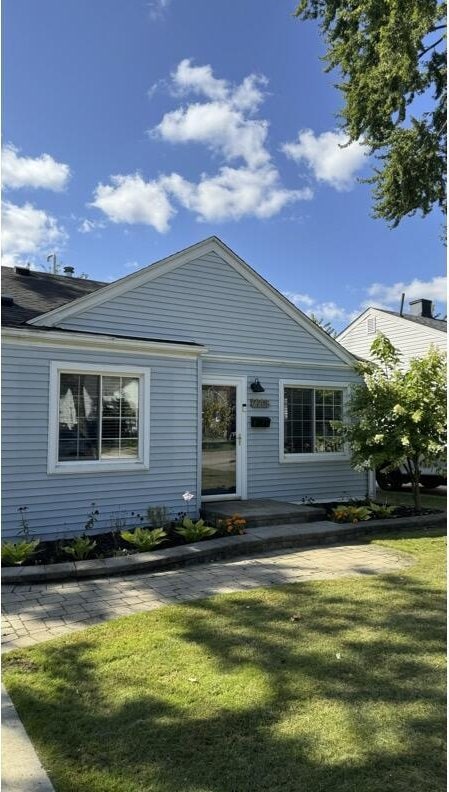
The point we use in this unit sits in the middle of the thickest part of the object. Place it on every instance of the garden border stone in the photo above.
(257, 539)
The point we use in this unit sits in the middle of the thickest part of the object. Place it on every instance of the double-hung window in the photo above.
(307, 416)
(99, 418)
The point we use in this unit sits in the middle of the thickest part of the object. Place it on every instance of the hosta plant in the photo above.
(353, 514)
(15, 553)
(80, 548)
(144, 539)
(194, 531)
(381, 510)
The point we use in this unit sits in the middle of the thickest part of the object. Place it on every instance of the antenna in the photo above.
(52, 257)
(402, 303)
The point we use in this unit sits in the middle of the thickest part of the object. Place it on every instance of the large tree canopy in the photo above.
(392, 58)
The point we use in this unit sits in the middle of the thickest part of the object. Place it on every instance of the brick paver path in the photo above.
(39, 612)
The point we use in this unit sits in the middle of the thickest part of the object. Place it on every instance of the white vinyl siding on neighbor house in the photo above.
(101, 448)
(410, 338)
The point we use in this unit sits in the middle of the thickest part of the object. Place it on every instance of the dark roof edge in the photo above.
(41, 329)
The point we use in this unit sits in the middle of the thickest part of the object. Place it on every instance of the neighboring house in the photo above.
(190, 374)
(411, 333)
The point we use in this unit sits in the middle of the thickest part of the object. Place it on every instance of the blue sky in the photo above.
(165, 122)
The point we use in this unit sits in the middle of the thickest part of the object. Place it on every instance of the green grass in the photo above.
(404, 497)
(333, 686)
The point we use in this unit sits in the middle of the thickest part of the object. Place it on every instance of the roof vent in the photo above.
(7, 299)
(68, 271)
(421, 308)
(22, 270)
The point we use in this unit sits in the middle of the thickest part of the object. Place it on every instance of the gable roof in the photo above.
(434, 324)
(36, 293)
(210, 245)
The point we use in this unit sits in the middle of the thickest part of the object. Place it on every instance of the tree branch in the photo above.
(431, 46)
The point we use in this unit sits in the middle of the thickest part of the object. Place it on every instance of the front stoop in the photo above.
(262, 511)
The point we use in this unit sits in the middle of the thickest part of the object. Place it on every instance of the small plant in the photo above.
(345, 513)
(307, 499)
(92, 518)
(381, 510)
(24, 529)
(144, 538)
(16, 553)
(232, 526)
(194, 531)
(80, 548)
(158, 516)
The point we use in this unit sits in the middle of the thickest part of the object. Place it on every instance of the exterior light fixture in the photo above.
(256, 387)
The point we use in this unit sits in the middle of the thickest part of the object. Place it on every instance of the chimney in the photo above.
(68, 271)
(421, 308)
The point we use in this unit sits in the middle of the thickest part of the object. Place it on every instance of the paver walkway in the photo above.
(39, 612)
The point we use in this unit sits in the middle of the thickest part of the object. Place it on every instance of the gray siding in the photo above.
(267, 476)
(58, 504)
(411, 339)
(205, 301)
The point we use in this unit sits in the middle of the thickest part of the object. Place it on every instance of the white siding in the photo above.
(410, 338)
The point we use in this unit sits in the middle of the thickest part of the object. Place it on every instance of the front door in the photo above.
(223, 439)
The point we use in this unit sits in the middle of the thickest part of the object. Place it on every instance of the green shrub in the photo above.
(80, 548)
(381, 510)
(354, 514)
(194, 531)
(15, 553)
(143, 538)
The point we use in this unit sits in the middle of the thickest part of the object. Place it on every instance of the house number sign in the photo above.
(262, 403)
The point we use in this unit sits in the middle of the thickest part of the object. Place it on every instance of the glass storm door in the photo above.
(222, 440)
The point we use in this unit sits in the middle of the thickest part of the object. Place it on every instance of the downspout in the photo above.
(199, 422)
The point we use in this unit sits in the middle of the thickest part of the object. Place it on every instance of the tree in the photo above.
(326, 326)
(392, 59)
(398, 417)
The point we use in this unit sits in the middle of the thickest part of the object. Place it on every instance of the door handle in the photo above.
(239, 439)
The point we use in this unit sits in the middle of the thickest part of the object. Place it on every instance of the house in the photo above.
(193, 373)
(411, 333)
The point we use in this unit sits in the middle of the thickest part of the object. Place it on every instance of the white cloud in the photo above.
(382, 295)
(234, 193)
(157, 9)
(328, 156)
(41, 171)
(329, 311)
(130, 199)
(86, 225)
(222, 123)
(27, 232)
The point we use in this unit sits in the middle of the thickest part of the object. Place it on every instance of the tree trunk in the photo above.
(415, 484)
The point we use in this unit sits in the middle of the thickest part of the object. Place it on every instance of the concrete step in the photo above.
(262, 511)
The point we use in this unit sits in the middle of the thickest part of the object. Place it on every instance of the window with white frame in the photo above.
(98, 417)
(307, 425)
(371, 325)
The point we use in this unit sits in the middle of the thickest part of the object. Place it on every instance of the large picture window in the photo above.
(98, 418)
(307, 421)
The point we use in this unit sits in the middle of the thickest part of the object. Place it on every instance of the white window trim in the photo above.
(54, 466)
(330, 456)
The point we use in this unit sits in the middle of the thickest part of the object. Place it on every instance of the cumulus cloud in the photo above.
(43, 171)
(328, 156)
(222, 123)
(131, 199)
(234, 193)
(86, 226)
(381, 295)
(329, 311)
(27, 232)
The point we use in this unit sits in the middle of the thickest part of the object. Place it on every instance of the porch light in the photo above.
(256, 387)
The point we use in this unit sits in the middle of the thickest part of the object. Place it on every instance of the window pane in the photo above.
(78, 417)
(329, 408)
(298, 414)
(119, 425)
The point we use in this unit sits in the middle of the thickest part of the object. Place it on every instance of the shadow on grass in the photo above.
(352, 694)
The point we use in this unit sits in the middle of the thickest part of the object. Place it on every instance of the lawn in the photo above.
(333, 686)
(430, 499)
